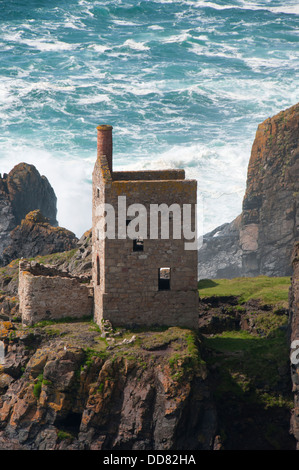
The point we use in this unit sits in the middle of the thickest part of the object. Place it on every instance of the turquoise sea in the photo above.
(184, 84)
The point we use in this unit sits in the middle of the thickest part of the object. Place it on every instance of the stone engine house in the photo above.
(141, 281)
(136, 281)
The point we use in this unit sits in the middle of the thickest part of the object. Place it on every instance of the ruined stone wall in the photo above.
(149, 175)
(51, 297)
(128, 292)
(101, 179)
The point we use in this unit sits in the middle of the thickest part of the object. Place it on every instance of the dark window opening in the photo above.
(98, 192)
(138, 244)
(164, 279)
(98, 271)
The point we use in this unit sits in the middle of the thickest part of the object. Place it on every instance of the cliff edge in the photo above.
(260, 240)
(70, 386)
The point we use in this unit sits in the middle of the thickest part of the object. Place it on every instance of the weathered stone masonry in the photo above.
(47, 294)
(134, 282)
(127, 289)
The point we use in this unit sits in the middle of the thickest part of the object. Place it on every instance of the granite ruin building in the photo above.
(141, 280)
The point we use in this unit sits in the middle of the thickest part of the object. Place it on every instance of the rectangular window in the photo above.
(164, 279)
(138, 244)
(98, 192)
(98, 273)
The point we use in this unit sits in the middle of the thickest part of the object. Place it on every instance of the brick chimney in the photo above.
(105, 143)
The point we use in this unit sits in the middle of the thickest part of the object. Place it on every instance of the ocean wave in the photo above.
(292, 9)
(100, 98)
(126, 23)
(220, 170)
(156, 27)
(135, 45)
(182, 37)
(100, 48)
(48, 46)
(178, 81)
(26, 88)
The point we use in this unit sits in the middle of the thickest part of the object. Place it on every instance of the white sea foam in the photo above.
(100, 98)
(126, 23)
(156, 27)
(87, 7)
(101, 48)
(182, 37)
(243, 4)
(289, 7)
(219, 169)
(26, 87)
(258, 63)
(74, 22)
(123, 73)
(135, 45)
(44, 45)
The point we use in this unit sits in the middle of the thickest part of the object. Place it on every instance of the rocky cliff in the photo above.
(294, 340)
(69, 387)
(22, 191)
(36, 236)
(260, 240)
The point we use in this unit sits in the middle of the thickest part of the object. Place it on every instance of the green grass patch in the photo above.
(64, 435)
(54, 258)
(270, 290)
(58, 321)
(90, 356)
(247, 362)
(38, 386)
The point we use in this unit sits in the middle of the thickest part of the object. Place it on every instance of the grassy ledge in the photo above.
(270, 290)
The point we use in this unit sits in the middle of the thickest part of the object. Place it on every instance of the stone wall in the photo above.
(46, 294)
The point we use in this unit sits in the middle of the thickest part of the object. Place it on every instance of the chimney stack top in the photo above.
(104, 145)
(104, 127)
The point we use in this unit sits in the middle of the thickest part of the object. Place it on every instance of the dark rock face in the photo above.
(28, 225)
(27, 190)
(260, 240)
(221, 255)
(53, 396)
(35, 236)
(21, 191)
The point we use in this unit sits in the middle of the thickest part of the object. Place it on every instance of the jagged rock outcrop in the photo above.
(80, 263)
(260, 240)
(63, 391)
(21, 191)
(27, 190)
(36, 236)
